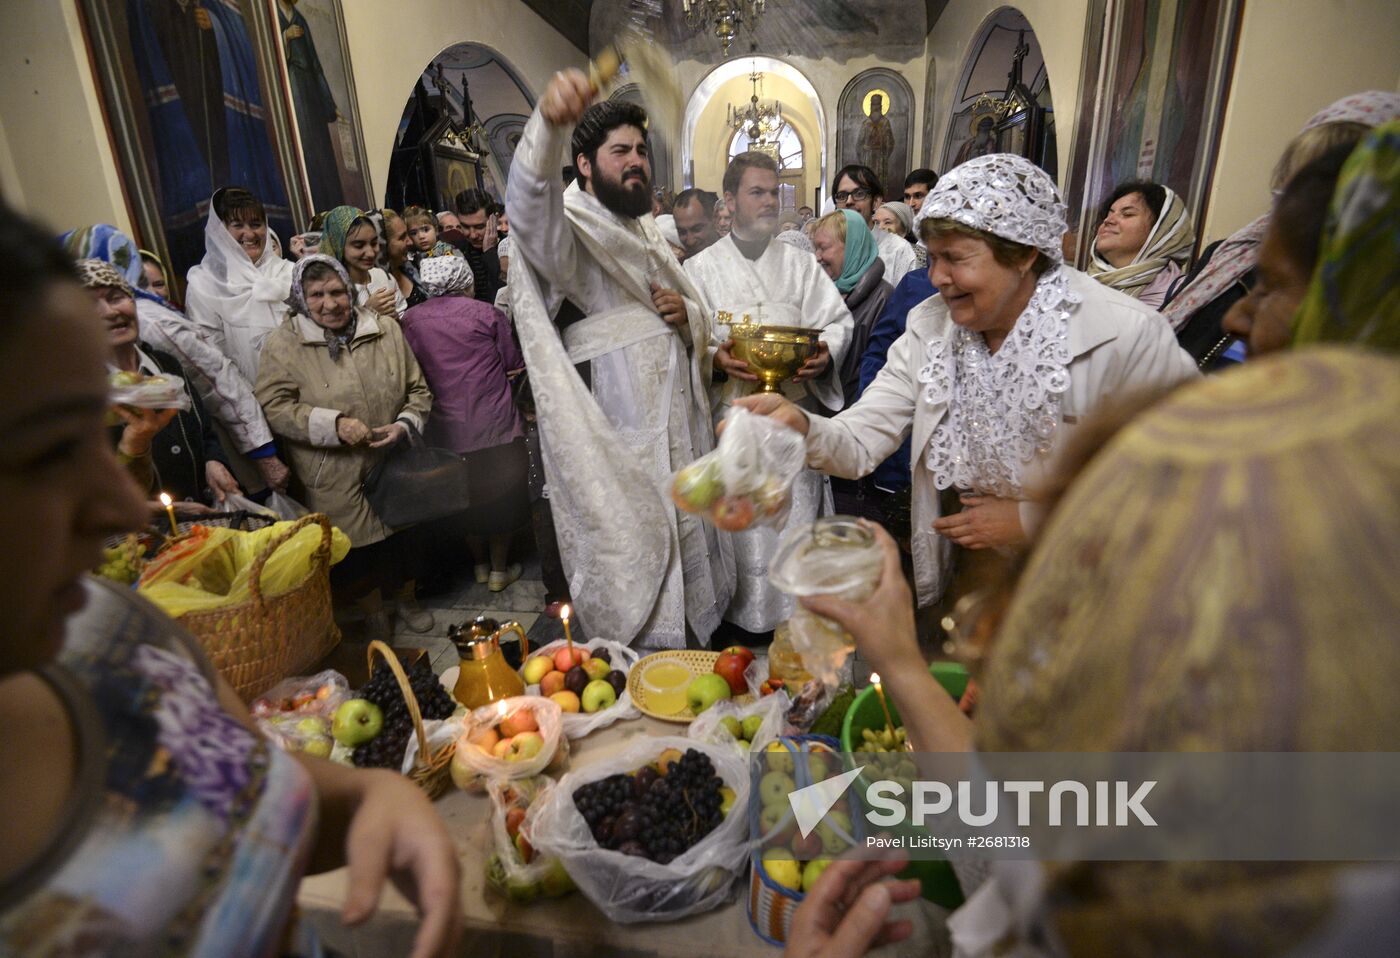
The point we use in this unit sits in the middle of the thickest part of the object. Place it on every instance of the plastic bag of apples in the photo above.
(592, 691)
(510, 739)
(747, 479)
(515, 869)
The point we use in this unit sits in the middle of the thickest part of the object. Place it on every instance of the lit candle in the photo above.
(169, 504)
(564, 614)
(880, 694)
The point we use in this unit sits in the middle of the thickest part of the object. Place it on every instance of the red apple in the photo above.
(731, 668)
(521, 720)
(551, 683)
(805, 849)
(567, 658)
(741, 650)
(517, 815)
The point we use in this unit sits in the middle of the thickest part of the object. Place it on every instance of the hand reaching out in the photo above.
(844, 915)
(568, 95)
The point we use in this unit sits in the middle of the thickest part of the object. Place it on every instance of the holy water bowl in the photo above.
(774, 353)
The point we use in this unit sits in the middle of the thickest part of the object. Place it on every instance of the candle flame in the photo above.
(501, 709)
(165, 499)
(874, 678)
(565, 611)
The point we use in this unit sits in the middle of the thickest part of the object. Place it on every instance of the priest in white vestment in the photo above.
(750, 273)
(616, 344)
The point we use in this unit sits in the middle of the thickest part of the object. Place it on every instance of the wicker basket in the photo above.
(433, 773)
(257, 643)
(771, 905)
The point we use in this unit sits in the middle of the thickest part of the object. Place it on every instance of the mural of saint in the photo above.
(876, 143)
(982, 142)
(314, 104)
(199, 82)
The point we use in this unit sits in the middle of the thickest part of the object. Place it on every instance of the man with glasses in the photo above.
(856, 188)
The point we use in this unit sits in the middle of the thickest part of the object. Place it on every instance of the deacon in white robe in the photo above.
(750, 273)
(616, 343)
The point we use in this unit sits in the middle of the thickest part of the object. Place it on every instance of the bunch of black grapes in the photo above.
(386, 749)
(652, 815)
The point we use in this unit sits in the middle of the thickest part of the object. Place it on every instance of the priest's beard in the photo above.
(629, 199)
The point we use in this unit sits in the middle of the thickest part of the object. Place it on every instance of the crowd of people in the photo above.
(968, 392)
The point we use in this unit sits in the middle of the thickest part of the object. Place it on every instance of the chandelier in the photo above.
(763, 122)
(727, 16)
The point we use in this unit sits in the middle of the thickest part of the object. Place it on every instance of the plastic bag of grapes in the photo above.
(655, 832)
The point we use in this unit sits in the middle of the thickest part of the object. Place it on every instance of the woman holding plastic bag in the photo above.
(129, 763)
(993, 375)
(340, 388)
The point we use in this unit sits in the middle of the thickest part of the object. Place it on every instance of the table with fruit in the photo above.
(637, 791)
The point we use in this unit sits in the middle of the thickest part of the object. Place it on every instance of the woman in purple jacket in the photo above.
(468, 355)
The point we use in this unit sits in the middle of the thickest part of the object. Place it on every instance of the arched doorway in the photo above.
(707, 136)
(459, 128)
(1002, 101)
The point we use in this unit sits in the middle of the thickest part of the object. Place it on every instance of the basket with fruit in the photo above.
(785, 863)
(653, 833)
(747, 480)
(375, 726)
(588, 682)
(510, 739)
(515, 869)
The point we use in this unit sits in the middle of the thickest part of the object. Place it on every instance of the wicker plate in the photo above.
(699, 662)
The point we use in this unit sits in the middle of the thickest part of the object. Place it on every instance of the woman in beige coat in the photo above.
(340, 386)
(993, 375)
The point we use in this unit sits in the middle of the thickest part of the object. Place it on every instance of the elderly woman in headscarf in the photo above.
(1144, 237)
(992, 375)
(226, 392)
(1223, 612)
(355, 238)
(897, 219)
(1225, 272)
(340, 387)
(186, 459)
(469, 355)
(849, 254)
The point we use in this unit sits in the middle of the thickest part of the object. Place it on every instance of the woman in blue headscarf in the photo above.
(225, 392)
(847, 250)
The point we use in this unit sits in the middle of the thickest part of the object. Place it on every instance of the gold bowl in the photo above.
(774, 353)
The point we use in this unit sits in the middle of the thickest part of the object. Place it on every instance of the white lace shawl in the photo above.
(1003, 407)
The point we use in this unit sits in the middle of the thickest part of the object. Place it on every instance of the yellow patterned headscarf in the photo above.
(1221, 577)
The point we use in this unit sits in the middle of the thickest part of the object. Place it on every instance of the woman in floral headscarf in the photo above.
(993, 375)
(469, 355)
(355, 237)
(340, 387)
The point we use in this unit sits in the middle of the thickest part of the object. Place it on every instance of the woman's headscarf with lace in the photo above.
(1237, 253)
(336, 340)
(1003, 407)
(233, 285)
(440, 275)
(1169, 241)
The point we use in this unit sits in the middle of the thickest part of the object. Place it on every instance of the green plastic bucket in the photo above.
(940, 885)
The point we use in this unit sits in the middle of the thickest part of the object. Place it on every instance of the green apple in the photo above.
(832, 840)
(597, 695)
(726, 799)
(750, 727)
(597, 668)
(556, 880)
(771, 817)
(779, 756)
(706, 691)
(774, 788)
(783, 868)
(733, 726)
(320, 746)
(536, 669)
(524, 747)
(356, 722)
(812, 871)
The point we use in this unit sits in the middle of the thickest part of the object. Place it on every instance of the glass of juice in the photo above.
(665, 683)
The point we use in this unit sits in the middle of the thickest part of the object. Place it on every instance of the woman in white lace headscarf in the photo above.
(994, 374)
